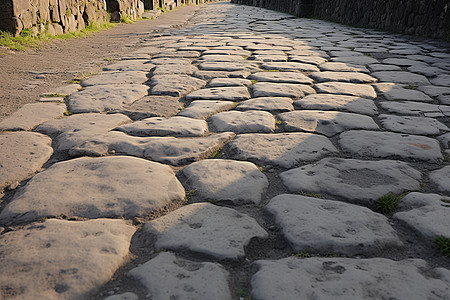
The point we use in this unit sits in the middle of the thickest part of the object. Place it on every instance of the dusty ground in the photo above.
(25, 75)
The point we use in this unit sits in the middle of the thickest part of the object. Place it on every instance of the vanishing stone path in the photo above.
(239, 157)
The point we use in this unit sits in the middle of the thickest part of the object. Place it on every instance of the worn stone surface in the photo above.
(359, 181)
(122, 77)
(352, 77)
(31, 115)
(270, 89)
(271, 104)
(331, 226)
(289, 67)
(78, 257)
(338, 102)
(345, 88)
(242, 122)
(416, 109)
(413, 125)
(441, 178)
(64, 90)
(281, 77)
(175, 85)
(167, 276)
(356, 60)
(347, 278)
(168, 69)
(202, 109)
(143, 65)
(226, 180)
(442, 80)
(227, 66)
(124, 296)
(342, 67)
(401, 77)
(118, 186)
(219, 82)
(220, 93)
(205, 228)
(328, 123)
(151, 106)
(392, 91)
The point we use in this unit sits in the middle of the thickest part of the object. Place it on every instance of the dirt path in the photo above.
(26, 75)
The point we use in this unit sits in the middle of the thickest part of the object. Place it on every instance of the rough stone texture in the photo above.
(413, 125)
(331, 226)
(270, 89)
(174, 126)
(202, 109)
(227, 66)
(392, 91)
(328, 123)
(442, 79)
(356, 180)
(347, 278)
(205, 228)
(118, 186)
(426, 213)
(338, 102)
(221, 82)
(416, 108)
(122, 77)
(220, 93)
(151, 106)
(64, 90)
(281, 149)
(352, 77)
(441, 178)
(226, 180)
(344, 88)
(281, 77)
(54, 247)
(31, 115)
(169, 277)
(169, 69)
(175, 85)
(342, 67)
(22, 154)
(401, 77)
(124, 296)
(289, 67)
(143, 65)
(105, 97)
(242, 122)
(356, 60)
(168, 150)
(271, 104)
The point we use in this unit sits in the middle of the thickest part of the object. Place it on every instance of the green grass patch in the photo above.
(388, 203)
(190, 194)
(442, 244)
(411, 87)
(163, 10)
(107, 59)
(216, 154)
(125, 19)
(254, 81)
(312, 195)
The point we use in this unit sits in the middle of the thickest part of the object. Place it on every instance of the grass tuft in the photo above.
(442, 244)
(388, 203)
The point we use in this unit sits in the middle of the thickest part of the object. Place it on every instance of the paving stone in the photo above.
(171, 69)
(174, 126)
(51, 99)
(170, 61)
(118, 186)
(426, 213)
(121, 77)
(227, 52)
(205, 228)
(228, 66)
(328, 123)
(434, 91)
(61, 259)
(226, 180)
(22, 155)
(168, 150)
(326, 226)
(220, 93)
(281, 77)
(289, 67)
(202, 109)
(103, 98)
(389, 144)
(270, 89)
(178, 54)
(175, 85)
(208, 75)
(392, 91)
(413, 125)
(403, 62)
(342, 67)
(383, 67)
(124, 296)
(31, 115)
(357, 60)
(169, 277)
(401, 77)
(273, 105)
(268, 58)
(353, 77)
(337, 102)
(243, 122)
(281, 149)
(222, 82)
(64, 90)
(347, 278)
(315, 60)
(143, 65)
(222, 58)
(445, 140)
(358, 181)
(426, 70)
(416, 109)
(441, 178)
(444, 99)
(442, 80)
(344, 88)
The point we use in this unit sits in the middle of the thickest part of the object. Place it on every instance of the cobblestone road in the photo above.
(247, 155)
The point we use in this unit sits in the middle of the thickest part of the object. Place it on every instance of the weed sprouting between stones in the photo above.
(411, 87)
(190, 194)
(388, 203)
(442, 244)
(216, 154)
(312, 195)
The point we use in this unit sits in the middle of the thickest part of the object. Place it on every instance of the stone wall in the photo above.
(429, 18)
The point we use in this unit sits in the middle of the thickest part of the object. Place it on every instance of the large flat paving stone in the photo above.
(289, 67)
(401, 77)
(169, 69)
(342, 67)
(169, 277)
(228, 66)
(395, 92)
(151, 106)
(281, 149)
(416, 108)
(174, 126)
(221, 58)
(353, 77)
(273, 105)
(270, 89)
(167, 150)
(314, 60)
(328, 123)
(355, 60)
(426, 213)
(22, 154)
(121, 77)
(208, 75)
(222, 82)
(72, 131)
(441, 178)
(242, 122)
(106, 97)
(389, 144)
(345, 88)
(347, 278)
(281, 77)
(61, 259)
(31, 115)
(175, 85)
(337, 102)
(220, 93)
(413, 125)
(117, 186)
(143, 65)
(205, 228)
(442, 80)
(202, 109)
(326, 226)
(226, 180)
(359, 181)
